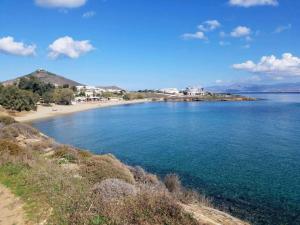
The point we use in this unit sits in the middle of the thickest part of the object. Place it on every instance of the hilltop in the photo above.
(46, 77)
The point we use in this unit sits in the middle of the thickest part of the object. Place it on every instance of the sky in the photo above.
(138, 44)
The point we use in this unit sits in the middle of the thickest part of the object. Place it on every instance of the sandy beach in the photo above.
(56, 110)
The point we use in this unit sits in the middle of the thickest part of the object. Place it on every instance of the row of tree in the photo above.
(24, 95)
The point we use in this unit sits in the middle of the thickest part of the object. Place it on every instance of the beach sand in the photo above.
(55, 110)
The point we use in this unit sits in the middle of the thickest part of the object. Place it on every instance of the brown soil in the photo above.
(11, 208)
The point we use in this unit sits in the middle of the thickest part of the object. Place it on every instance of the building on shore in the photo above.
(194, 91)
(171, 91)
(94, 93)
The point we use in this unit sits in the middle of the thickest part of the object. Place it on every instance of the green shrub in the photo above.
(66, 152)
(13, 98)
(63, 96)
(34, 85)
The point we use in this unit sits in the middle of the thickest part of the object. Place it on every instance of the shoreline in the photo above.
(44, 112)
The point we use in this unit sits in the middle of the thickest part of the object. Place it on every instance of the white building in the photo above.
(171, 91)
(93, 90)
(193, 91)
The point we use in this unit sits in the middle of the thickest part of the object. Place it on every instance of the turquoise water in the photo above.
(244, 154)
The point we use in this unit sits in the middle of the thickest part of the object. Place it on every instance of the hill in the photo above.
(251, 88)
(46, 77)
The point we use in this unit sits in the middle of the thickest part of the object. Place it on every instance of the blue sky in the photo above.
(152, 43)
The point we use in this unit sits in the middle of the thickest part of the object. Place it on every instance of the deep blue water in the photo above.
(244, 154)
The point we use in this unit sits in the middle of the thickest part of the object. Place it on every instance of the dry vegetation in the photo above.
(64, 185)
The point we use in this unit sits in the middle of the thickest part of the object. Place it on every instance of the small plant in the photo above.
(172, 183)
(99, 220)
(13, 153)
(66, 153)
(7, 120)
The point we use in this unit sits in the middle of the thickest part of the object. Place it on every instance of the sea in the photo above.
(244, 156)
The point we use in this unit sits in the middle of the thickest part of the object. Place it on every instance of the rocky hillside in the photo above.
(46, 77)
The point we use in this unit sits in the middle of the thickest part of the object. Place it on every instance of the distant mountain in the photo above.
(111, 88)
(46, 77)
(250, 88)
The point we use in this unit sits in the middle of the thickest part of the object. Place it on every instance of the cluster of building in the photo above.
(189, 91)
(94, 93)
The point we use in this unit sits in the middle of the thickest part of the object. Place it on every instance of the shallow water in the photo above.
(244, 154)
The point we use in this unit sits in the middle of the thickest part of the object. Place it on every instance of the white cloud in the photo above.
(9, 46)
(206, 26)
(61, 3)
(288, 65)
(197, 35)
(250, 3)
(209, 25)
(280, 29)
(66, 46)
(240, 31)
(88, 14)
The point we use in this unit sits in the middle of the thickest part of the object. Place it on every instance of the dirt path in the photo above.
(212, 216)
(11, 208)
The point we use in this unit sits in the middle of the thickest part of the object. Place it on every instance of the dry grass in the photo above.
(113, 190)
(41, 145)
(141, 176)
(6, 120)
(18, 129)
(173, 183)
(101, 167)
(146, 208)
(13, 153)
(69, 154)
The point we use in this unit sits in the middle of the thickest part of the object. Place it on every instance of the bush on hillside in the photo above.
(70, 154)
(101, 167)
(7, 120)
(13, 153)
(113, 190)
(142, 177)
(19, 129)
(172, 182)
(145, 208)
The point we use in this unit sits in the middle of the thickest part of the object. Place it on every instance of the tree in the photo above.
(63, 96)
(107, 94)
(74, 89)
(48, 97)
(35, 85)
(13, 98)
